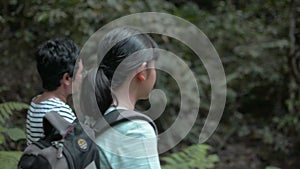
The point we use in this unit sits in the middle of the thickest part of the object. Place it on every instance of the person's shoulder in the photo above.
(136, 128)
(58, 103)
(35, 97)
(63, 109)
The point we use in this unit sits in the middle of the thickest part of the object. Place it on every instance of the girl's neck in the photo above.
(126, 101)
(126, 95)
(125, 105)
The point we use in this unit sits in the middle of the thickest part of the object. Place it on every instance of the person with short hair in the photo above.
(56, 66)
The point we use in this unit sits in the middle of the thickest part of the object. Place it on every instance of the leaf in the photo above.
(7, 108)
(1, 118)
(3, 129)
(213, 158)
(169, 160)
(42, 17)
(9, 159)
(16, 134)
(272, 167)
(195, 156)
(2, 138)
(115, 4)
(231, 77)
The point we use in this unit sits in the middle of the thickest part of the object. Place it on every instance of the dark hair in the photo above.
(120, 43)
(54, 58)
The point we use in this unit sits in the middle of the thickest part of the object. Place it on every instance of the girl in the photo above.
(125, 75)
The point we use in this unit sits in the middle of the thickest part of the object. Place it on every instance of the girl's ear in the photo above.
(141, 72)
(141, 76)
(66, 79)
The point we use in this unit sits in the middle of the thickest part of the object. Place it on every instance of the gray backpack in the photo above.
(68, 146)
(65, 146)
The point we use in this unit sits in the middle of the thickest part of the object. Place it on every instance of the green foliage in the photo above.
(252, 41)
(192, 157)
(13, 133)
(251, 38)
(9, 159)
(7, 108)
(290, 121)
(271, 167)
(276, 139)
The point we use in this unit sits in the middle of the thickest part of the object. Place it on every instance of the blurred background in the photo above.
(257, 41)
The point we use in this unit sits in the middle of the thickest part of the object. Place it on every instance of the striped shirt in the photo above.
(36, 112)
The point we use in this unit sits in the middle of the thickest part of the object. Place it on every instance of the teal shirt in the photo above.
(129, 145)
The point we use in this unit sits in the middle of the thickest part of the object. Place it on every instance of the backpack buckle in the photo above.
(60, 146)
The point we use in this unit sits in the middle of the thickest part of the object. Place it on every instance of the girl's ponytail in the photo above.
(102, 90)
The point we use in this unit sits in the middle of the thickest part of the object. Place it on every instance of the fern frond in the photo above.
(192, 157)
(7, 108)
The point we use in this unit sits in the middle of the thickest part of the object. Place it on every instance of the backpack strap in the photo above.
(54, 120)
(118, 116)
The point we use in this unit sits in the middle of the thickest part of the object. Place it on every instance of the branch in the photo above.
(294, 60)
